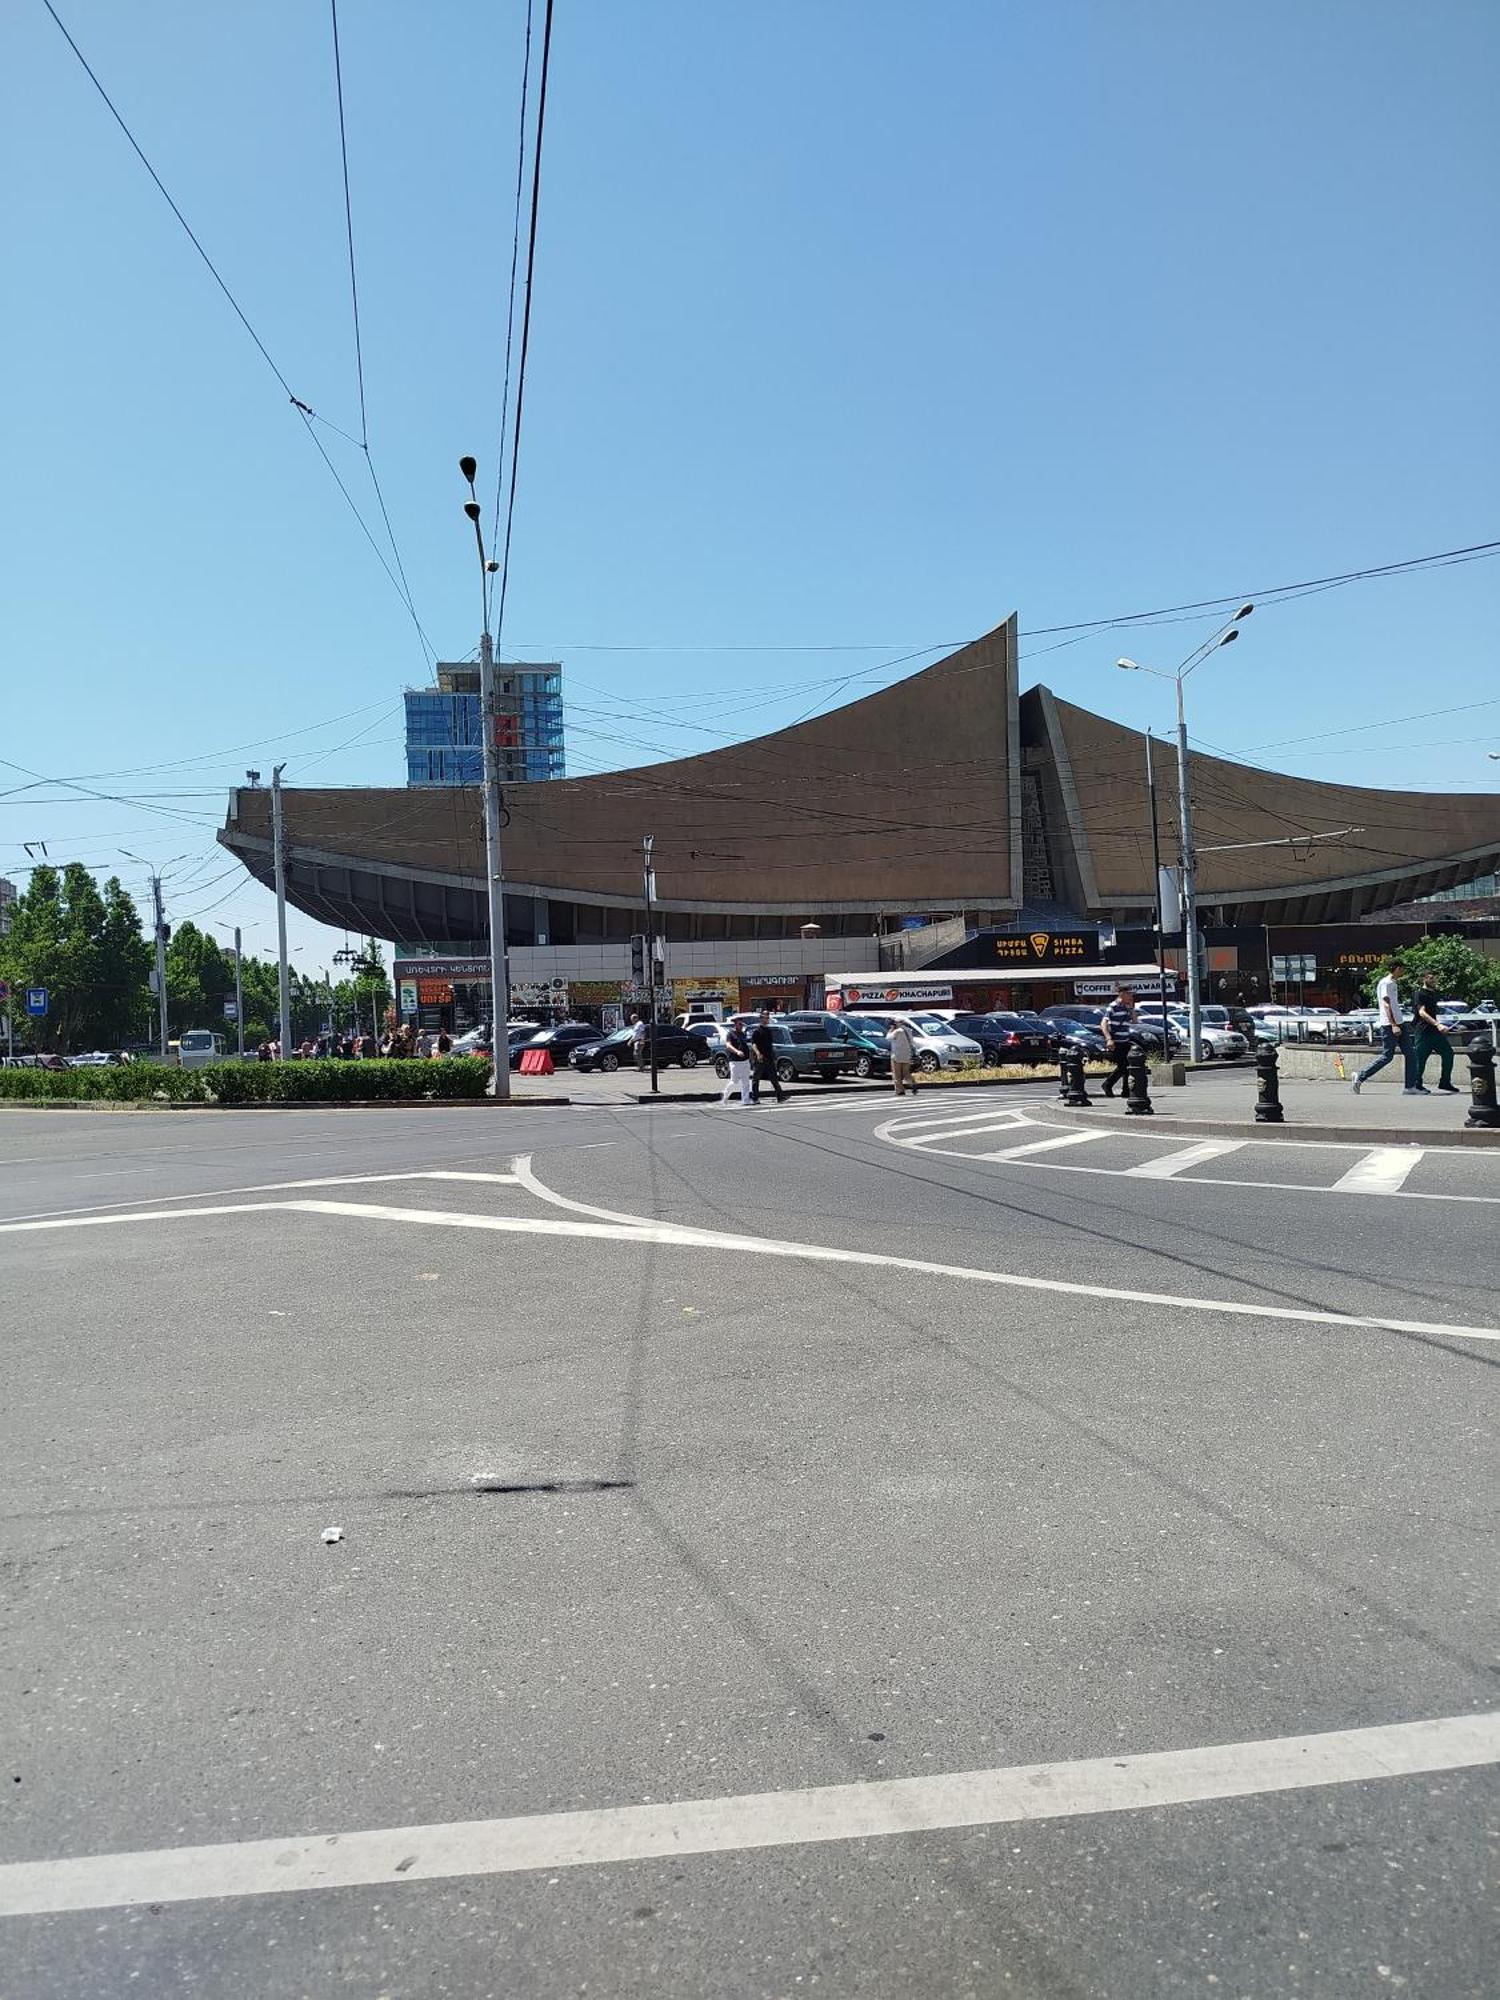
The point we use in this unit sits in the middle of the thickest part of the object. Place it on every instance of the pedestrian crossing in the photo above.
(1012, 1138)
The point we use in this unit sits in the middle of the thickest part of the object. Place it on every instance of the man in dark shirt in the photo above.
(1119, 1032)
(763, 1059)
(1429, 1037)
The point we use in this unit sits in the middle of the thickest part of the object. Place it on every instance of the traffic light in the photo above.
(638, 959)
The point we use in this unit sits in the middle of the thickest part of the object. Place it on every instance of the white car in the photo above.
(936, 1043)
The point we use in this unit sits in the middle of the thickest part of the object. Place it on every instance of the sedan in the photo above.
(1009, 1037)
(617, 1051)
(559, 1042)
(803, 1050)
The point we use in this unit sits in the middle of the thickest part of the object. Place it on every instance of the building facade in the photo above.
(951, 800)
(444, 739)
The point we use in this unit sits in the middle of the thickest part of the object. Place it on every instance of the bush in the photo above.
(411, 1081)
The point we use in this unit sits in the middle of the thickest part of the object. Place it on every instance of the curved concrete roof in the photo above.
(946, 792)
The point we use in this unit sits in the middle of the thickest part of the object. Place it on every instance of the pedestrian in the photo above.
(1119, 1032)
(263, 1052)
(640, 1037)
(763, 1059)
(1392, 1033)
(444, 1044)
(1428, 1038)
(903, 1055)
(738, 1052)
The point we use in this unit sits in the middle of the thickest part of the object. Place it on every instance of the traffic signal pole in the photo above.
(161, 964)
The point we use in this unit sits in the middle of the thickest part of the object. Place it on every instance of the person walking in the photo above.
(1429, 1038)
(1392, 1034)
(738, 1052)
(763, 1059)
(1119, 1032)
(640, 1037)
(903, 1055)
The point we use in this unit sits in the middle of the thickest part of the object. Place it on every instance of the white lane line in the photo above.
(256, 1187)
(1039, 1146)
(1381, 1171)
(1169, 1165)
(914, 1121)
(1018, 1794)
(682, 1236)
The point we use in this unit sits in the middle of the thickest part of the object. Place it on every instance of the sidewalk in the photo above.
(1222, 1103)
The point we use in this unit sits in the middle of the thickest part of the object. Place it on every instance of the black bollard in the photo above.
(1484, 1112)
(1137, 1083)
(1078, 1097)
(1267, 1087)
(1064, 1072)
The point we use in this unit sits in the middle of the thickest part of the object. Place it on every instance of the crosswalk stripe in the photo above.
(1042, 1146)
(1170, 1164)
(1382, 1171)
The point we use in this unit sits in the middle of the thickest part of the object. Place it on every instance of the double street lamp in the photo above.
(493, 865)
(1225, 636)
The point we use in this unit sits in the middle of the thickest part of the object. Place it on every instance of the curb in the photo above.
(289, 1104)
(1232, 1128)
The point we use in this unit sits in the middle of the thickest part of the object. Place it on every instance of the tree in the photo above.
(85, 946)
(1462, 972)
(198, 978)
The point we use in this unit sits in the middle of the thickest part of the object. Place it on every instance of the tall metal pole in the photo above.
(161, 965)
(283, 970)
(239, 997)
(648, 877)
(1189, 884)
(1161, 940)
(494, 867)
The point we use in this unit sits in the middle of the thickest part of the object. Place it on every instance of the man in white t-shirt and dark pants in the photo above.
(1392, 1033)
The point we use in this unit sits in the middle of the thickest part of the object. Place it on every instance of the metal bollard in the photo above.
(1064, 1073)
(1137, 1083)
(1484, 1112)
(1077, 1097)
(1267, 1086)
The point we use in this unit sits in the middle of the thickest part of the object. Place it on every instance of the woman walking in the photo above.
(738, 1052)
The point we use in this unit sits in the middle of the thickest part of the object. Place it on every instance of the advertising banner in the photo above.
(873, 994)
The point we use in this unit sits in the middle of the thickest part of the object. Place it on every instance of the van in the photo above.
(198, 1047)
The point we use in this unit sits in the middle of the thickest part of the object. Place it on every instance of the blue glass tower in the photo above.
(443, 741)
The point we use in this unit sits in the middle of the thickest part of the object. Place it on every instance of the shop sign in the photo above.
(717, 996)
(1106, 989)
(406, 997)
(431, 993)
(540, 993)
(443, 968)
(896, 996)
(1362, 960)
(1046, 947)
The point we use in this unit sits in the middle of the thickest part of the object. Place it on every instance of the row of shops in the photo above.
(1299, 965)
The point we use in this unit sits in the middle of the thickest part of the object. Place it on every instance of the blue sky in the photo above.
(857, 325)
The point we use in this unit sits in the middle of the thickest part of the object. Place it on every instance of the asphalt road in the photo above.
(913, 1555)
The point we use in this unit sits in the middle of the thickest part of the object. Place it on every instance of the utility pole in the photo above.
(1156, 893)
(239, 997)
(494, 866)
(648, 883)
(161, 964)
(1189, 885)
(283, 971)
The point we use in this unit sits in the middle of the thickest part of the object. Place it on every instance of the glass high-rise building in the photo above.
(443, 741)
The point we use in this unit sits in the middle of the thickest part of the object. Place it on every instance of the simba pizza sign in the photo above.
(1045, 947)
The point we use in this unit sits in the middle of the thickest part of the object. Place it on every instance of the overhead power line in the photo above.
(304, 410)
(515, 442)
(510, 303)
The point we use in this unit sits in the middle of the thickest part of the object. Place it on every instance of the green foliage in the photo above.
(255, 1083)
(198, 977)
(1462, 972)
(85, 946)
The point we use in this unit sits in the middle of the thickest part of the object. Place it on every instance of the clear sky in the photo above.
(857, 325)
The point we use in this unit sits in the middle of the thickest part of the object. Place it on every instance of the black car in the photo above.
(616, 1051)
(1009, 1037)
(1083, 1027)
(803, 1049)
(559, 1042)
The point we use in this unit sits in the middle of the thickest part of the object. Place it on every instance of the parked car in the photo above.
(616, 1051)
(1221, 1043)
(871, 1056)
(936, 1043)
(803, 1050)
(99, 1059)
(1009, 1037)
(559, 1042)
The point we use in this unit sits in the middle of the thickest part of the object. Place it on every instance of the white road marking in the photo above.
(260, 1187)
(1381, 1171)
(1018, 1794)
(1040, 1146)
(626, 1229)
(1169, 1165)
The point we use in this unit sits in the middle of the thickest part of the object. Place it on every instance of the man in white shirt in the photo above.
(898, 1041)
(1392, 1033)
(640, 1036)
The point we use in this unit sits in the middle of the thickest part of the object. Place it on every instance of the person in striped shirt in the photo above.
(1118, 1027)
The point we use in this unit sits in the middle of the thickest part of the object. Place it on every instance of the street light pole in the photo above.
(283, 970)
(239, 996)
(494, 866)
(1225, 636)
(648, 883)
(1161, 941)
(159, 930)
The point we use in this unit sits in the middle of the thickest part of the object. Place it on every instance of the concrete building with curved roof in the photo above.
(948, 795)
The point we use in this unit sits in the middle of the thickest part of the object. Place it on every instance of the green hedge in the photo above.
(412, 1081)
